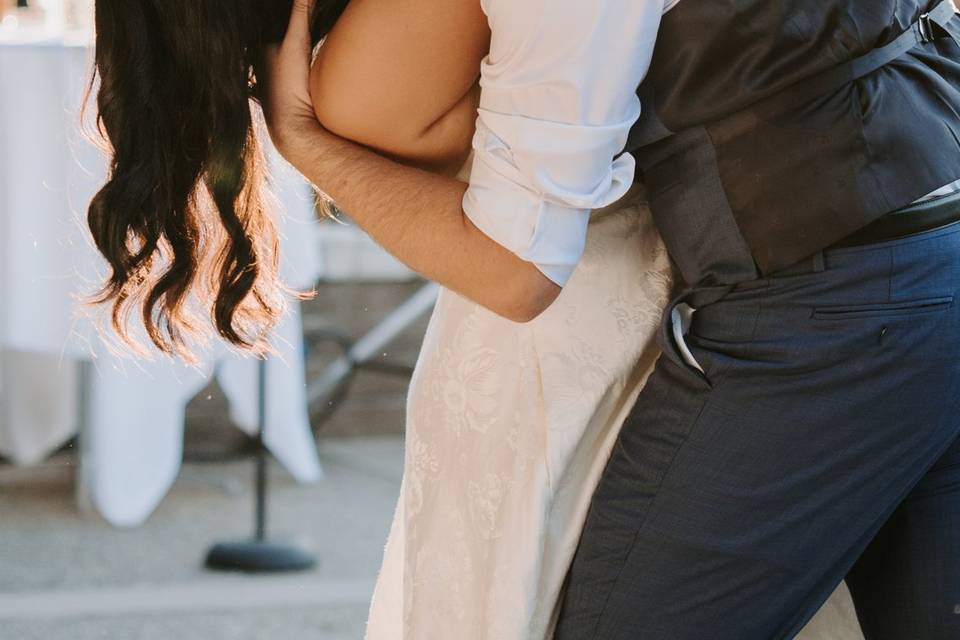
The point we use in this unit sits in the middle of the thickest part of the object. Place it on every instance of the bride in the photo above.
(509, 423)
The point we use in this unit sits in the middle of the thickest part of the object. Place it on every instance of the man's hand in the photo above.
(284, 76)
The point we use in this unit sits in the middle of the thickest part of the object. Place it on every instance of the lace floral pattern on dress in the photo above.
(508, 428)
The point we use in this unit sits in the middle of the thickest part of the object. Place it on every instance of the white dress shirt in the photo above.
(558, 98)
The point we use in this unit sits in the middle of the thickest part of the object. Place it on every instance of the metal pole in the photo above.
(260, 555)
(81, 454)
(261, 486)
(373, 342)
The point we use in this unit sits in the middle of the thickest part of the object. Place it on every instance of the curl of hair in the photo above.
(184, 219)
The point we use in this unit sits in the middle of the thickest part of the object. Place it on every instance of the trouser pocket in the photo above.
(675, 327)
(883, 309)
(680, 319)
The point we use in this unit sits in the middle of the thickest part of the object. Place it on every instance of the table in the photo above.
(132, 443)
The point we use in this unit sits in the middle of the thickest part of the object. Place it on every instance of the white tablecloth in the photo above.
(133, 442)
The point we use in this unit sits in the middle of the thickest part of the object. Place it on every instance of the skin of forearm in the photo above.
(418, 217)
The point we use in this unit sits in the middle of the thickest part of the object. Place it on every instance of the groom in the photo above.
(805, 430)
(801, 157)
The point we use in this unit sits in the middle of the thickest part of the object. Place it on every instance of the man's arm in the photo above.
(558, 99)
(418, 217)
(415, 215)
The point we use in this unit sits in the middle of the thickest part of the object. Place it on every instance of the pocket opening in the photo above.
(904, 307)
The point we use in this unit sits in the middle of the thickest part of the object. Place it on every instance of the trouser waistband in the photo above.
(912, 220)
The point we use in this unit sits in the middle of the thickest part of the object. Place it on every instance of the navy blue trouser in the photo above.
(820, 443)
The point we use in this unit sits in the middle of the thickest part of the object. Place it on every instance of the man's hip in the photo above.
(736, 498)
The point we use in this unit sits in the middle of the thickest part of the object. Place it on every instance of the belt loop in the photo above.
(819, 262)
(925, 25)
(944, 16)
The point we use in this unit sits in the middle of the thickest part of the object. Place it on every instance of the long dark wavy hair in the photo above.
(184, 219)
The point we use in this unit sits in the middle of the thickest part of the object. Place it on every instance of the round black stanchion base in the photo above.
(259, 557)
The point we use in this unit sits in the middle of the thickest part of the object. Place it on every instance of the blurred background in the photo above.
(119, 478)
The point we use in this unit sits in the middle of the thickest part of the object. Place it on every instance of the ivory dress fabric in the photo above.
(508, 427)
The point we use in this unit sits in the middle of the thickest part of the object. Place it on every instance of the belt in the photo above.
(915, 218)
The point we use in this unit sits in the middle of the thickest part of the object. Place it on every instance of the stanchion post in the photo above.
(259, 555)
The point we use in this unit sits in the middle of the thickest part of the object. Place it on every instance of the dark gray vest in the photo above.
(773, 128)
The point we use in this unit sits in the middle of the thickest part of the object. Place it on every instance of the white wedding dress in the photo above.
(508, 428)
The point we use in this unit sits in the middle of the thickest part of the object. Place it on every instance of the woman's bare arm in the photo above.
(400, 76)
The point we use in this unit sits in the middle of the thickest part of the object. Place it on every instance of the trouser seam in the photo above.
(646, 518)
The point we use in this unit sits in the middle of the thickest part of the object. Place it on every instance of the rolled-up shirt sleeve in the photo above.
(558, 99)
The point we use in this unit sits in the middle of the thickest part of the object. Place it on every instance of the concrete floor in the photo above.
(70, 576)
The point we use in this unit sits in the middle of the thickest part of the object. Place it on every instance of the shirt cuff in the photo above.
(538, 205)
